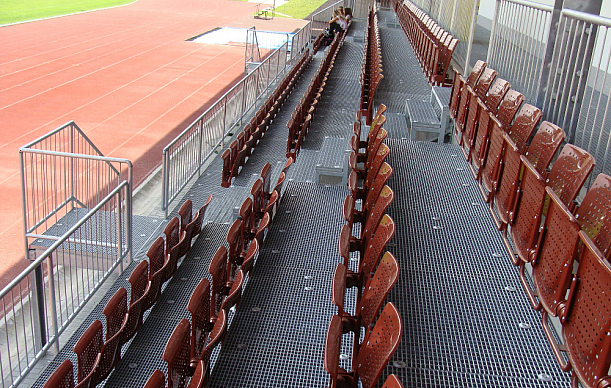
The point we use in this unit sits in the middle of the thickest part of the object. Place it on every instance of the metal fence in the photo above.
(184, 156)
(518, 42)
(40, 303)
(300, 41)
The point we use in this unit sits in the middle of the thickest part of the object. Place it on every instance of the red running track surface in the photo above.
(125, 75)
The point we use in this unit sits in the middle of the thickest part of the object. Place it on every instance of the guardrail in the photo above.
(40, 303)
(300, 41)
(184, 156)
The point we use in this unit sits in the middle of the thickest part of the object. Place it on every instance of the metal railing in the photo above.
(579, 82)
(40, 303)
(518, 41)
(184, 156)
(300, 41)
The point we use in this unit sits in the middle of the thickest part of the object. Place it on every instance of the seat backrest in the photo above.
(587, 316)
(377, 289)
(88, 381)
(235, 293)
(376, 187)
(249, 259)
(257, 200)
(379, 159)
(593, 214)
(476, 72)
(198, 220)
(218, 270)
(289, 163)
(280, 183)
(373, 146)
(333, 344)
(216, 336)
(235, 239)
(497, 91)
(200, 376)
(391, 382)
(88, 348)
(382, 235)
(376, 213)
(265, 176)
(157, 380)
(263, 225)
(509, 107)
(484, 82)
(338, 290)
(379, 346)
(552, 264)
(176, 355)
(156, 255)
(185, 213)
(544, 146)
(172, 234)
(227, 168)
(63, 377)
(246, 217)
(135, 314)
(524, 124)
(569, 173)
(115, 312)
(139, 280)
(199, 308)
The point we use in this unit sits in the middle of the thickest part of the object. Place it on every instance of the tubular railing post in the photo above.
(164, 182)
(493, 32)
(119, 236)
(130, 214)
(53, 302)
(38, 297)
(549, 52)
(471, 32)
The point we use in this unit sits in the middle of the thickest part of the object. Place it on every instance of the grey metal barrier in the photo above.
(518, 41)
(40, 303)
(579, 82)
(184, 156)
(300, 41)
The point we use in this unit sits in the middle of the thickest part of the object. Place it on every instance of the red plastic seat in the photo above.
(258, 205)
(369, 195)
(235, 240)
(227, 168)
(235, 292)
(218, 270)
(185, 213)
(157, 380)
(116, 314)
(219, 331)
(272, 205)
(465, 97)
(262, 228)
(176, 355)
(249, 260)
(156, 256)
(245, 214)
(586, 321)
(200, 377)
(392, 382)
(63, 377)
(552, 261)
(139, 294)
(265, 175)
(374, 354)
(199, 308)
(544, 146)
(172, 234)
(569, 173)
(87, 351)
(593, 214)
(198, 219)
(369, 218)
(477, 95)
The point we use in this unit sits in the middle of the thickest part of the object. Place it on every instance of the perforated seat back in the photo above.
(569, 173)
(263, 225)
(392, 382)
(115, 312)
(484, 82)
(376, 187)
(373, 147)
(338, 290)
(265, 176)
(455, 95)
(497, 91)
(199, 308)
(377, 289)
(235, 293)
(249, 260)
(476, 72)
(593, 214)
(63, 377)
(156, 255)
(373, 251)
(257, 200)
(378, 160)
(185, 213)
(333, 343)
(524, 124)
(216, 336)
(139, 280)
(246, 217)
(198, 220)
(529, 207)
(508, 181)
(495, 147)
(157, 380)
(509, 107)
(172, 234)
(235, 240)
(379, 347)
(87, 349)
(176, 355)
(552, 264)
(544, 146)
(377, 212)
(588, 316)
(218, 270)
(227, 168)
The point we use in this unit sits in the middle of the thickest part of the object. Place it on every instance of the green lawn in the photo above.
(299, 9)
(13, 11)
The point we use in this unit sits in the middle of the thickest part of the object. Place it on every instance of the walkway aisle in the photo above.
(467, 321)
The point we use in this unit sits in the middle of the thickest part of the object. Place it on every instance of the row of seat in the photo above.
(561, 247)
(247, 139)
(371, 70)
(301, 118)
(432, 45)
(96, 355)
(377, 271)
(190, 346)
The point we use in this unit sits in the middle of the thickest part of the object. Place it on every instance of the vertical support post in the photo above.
(471, 33)
(53, 303)
(38, 301)
(129, 211)
(549, 52)
(164, 182)
(493, 31)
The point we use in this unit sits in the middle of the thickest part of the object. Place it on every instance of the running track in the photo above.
(126, 76)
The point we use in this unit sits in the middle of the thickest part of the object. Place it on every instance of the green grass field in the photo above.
(13, 11)
(299, 9)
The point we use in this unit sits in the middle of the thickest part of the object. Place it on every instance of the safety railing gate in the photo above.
(185, 155)
(77, 219)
